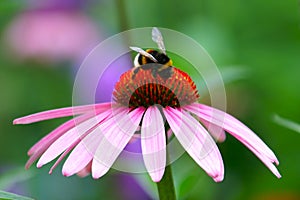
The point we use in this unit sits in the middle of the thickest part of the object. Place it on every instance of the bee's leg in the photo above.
(166, 73)
(154, 72)
(135, 72)
(147, 66)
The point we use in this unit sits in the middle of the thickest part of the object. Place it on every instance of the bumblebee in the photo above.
(156, 61)
(154, 80)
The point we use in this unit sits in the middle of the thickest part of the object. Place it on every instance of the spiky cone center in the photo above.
(146, 88)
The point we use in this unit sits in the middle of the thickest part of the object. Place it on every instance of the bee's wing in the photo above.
(158, 39)
(144, 53)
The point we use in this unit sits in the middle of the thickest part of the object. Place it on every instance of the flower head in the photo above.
(155, 98)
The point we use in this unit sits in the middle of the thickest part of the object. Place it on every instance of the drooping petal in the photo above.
(153, 141)
(63, 155)
(84, 152)
(196, 141)
(40, 147)
(115, 140)
(46, 141)
(239, 131)
(66, 140)
(62, 112)
(85, 171)
(217, 132)
(79, 157)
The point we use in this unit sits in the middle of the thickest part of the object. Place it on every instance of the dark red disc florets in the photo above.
(145, 89)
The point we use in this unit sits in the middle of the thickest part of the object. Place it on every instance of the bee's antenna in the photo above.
(158, 39)
(143, 52)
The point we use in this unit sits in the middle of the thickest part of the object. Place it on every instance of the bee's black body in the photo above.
(163, 66)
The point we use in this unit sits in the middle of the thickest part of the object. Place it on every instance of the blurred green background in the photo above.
(257, 44)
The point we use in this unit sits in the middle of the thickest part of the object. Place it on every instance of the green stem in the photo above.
(166, 190)
(123, 22)
(123, 19)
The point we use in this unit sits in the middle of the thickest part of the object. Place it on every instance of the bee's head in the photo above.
(152, 56)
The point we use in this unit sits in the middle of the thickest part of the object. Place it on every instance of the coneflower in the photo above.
(154, 98)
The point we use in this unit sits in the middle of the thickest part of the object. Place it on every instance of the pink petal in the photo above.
(153, 141)
(62, 112)
(40, 147)
(169, 133)
(124, 125)
(80, 153)
(66, 140)
(84, 151)
(77, 160)
(85, 171)
(217, 132)
(196, 141)
(56, 133)
(63, 155)
(239, 131)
